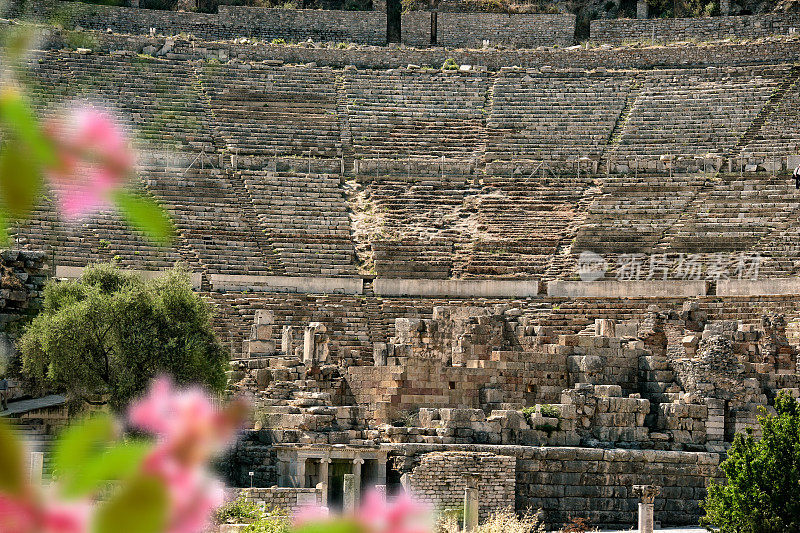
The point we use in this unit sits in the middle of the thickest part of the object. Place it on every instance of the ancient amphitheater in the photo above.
(403, 257)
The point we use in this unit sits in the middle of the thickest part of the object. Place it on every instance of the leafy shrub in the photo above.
(79, 39)
(404, 419)
(278, 41)
(450, 64)
(270, 524)
(546, 410)
(238, 511)
(528, 412)
(103, 337)
(762, 493)
(550, 411)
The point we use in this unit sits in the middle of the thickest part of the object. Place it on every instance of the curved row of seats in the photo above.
(222, 144)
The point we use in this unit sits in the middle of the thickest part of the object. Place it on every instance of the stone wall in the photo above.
(23, 274)
(607, 56)
(297, 25)
(283, 500)
(702, 29)
(597, 484)
(469, 30)
(440, 480)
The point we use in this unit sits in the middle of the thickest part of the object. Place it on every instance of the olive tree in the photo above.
(103, 336)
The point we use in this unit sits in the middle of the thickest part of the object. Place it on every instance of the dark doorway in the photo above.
(337, 469)
(369, 474)
(394, 9)
(729, 424)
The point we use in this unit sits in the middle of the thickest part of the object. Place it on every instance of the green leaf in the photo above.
(116, 463)
(20, 179)
(79, 443)
(12, 465)
(146, 215)
(331, 526)
(139, 507)
(21, 125)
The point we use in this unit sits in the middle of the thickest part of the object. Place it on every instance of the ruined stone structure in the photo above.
(446, 398)
(367, 27)
(704, 28)
(394, 250)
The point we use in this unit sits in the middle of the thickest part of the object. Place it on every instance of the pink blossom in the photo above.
(192, 492)
(376, 514)
(401, 514)
(189, 430)
(311, 513)
(26, 515)
(185, 420)
(93, 159)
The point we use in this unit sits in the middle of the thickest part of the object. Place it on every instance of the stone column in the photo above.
(349, 491)
(357, 463)
(315, 343)
(284, 473)
(379, 352)
(308, 346)
(647, 495)
(724, 7)
(380, 476)
(471, 503)
(287, 341)
(405, 481)
(604, 327)
(323, 479)
(37, 467)
(642, 9)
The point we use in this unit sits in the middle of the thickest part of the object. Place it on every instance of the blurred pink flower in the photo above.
(189, 429)
(193, 493)
(93, 159)
(311, 513)
(401, 514)
(376, 514)
(186, 420)
(24, 515)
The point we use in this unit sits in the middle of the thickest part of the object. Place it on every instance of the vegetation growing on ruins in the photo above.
(102, 337)
(502, 522)
(269, 524)
(762, 493)
(239, 511)
(450, 64)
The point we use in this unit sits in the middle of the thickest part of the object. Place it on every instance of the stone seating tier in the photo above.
(263, 110)
(409, 112)
(536, 116)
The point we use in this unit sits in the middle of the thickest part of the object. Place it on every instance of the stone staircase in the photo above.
(732, 214)
(206, 209)
(776, 132)
(631, 214)
(305, 217)
(521, 221)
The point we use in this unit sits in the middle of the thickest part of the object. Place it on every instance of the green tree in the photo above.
(762, 493)
(106, 334)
